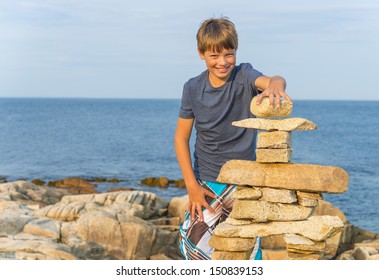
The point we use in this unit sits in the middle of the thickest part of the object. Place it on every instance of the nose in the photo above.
(222, 60)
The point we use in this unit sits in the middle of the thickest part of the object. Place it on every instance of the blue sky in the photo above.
(147, 49)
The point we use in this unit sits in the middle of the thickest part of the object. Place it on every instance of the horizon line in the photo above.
(158, 98)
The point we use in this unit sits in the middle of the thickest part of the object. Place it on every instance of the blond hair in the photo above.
(217, 34)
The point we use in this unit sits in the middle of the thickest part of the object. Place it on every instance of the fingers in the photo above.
(278, 101)
(189, 207)
(271, 97)
(210, 194)
(200, 213)
(192, 212)
(274, 97)
(197, 208)
(209, 208)
(259, 99)
(270, 94)
(287, 98)
(206, 205)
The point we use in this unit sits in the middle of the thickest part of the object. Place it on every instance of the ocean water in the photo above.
(131, 139)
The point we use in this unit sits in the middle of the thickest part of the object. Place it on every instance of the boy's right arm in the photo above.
(196, 193)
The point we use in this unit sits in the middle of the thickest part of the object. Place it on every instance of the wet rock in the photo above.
(38, 182)
(97, 180)
(75, 185)
(178, 183)
(155, 181)
(114, 180)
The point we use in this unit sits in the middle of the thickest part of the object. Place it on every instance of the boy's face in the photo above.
(219, 64)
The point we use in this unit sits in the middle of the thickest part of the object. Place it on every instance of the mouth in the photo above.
(222, 69)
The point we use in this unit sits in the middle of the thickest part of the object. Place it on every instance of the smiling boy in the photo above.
(211, 101)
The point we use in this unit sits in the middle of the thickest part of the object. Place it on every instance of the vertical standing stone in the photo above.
(274, 140)
(273, 155)
(274, 147)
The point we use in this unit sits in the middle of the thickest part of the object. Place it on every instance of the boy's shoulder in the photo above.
(245, 66)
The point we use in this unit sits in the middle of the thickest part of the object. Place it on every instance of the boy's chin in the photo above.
(224, 76)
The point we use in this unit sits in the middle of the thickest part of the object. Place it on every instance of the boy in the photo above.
(212, 101)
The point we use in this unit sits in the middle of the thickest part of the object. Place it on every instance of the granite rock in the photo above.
(317, 228)
(290, 124)
(274, 140)
(264, 110)
(302, 177)
(263, 211)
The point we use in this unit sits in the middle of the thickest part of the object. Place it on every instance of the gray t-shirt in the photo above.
(214, 110)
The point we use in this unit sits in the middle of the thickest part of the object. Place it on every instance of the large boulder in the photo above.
(75, 185)
(301, 177)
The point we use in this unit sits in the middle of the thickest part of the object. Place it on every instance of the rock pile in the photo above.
(276, 196)
(41, 222)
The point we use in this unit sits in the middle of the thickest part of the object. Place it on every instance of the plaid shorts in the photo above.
(194, 235)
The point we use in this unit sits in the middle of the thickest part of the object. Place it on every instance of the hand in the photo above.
(275, 90)
(197, 195)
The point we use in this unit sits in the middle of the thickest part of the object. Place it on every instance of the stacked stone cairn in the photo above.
(275, 196)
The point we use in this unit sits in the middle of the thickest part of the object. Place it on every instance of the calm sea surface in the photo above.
(132, 139)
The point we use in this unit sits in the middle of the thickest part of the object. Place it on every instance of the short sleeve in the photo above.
(251, 74)
(186, 111)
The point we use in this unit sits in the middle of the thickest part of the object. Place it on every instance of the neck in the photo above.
(216, 82)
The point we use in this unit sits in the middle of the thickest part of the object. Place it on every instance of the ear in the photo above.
(201, 54)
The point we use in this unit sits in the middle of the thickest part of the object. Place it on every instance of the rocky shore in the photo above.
(68, 219)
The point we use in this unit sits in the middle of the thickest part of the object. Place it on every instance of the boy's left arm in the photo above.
(272, 87)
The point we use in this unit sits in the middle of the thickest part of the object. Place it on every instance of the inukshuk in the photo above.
(274, 195)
